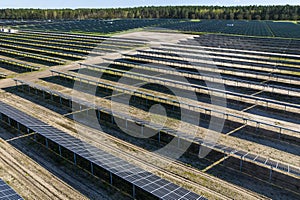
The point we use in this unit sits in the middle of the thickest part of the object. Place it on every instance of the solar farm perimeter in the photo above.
(95, 109)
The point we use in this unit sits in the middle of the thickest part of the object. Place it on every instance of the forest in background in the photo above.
(284, 12)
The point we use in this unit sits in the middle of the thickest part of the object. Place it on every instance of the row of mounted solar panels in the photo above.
(7, 193)
(61, 46)
(87, 37)
(236, 79)
(166, 99)
(223, 41)
(272, 42)
(198, 86)
(19, 64)
(218, 147)
(138, 177)
(97, 26)
(193, 45)
(175, 83)
(205, 59)
(227, 52)
(258, 42)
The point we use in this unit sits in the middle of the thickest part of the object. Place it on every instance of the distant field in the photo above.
(97, 26)
(65, 92)
(285, 29)
(250, 28)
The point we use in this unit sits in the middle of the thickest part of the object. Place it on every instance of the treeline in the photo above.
(286, 12)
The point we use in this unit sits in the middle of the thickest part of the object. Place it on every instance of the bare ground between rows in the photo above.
(53, 118)
(224, 139)
(34, 77)
(64, 176)
(58, 121)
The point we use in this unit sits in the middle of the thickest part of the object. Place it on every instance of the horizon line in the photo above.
(74, 8)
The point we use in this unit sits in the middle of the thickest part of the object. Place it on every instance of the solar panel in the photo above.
(250, 156)
(168, 100)
(261, 160)
(186, 53)
(7, 193)
(114, 165)
(283, 167)
(294, 170)
(240, 153)
(272, 163)
(217, 147)
(171, 62)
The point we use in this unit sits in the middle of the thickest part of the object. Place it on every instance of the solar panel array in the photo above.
(140, 178)
(193, 86)
(66, 46)
(88, 37)
(272, 45)
(206, 57)
(163, 99)
(19, 64)
(243, 155)
(227, 52)
(7, 193)
(97, 25)
(215, 77)
(265, 29)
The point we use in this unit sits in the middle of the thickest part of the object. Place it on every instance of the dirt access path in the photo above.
(31, 180)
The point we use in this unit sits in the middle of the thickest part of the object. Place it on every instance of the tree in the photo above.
(231, 16)
(257, 17)
(240, 16)
(286, 12)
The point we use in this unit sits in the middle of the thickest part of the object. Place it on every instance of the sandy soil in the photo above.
(216, 188)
